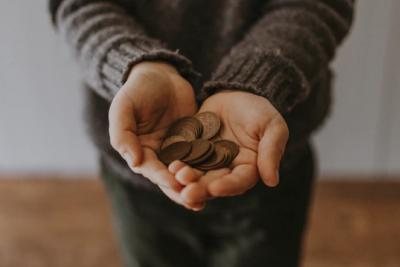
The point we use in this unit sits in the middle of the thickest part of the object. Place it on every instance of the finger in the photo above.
(198, 206)
(174, 196)
(194, 193)
(270, 151)
(199, 191)
(122, 125)
(175, 166)
(242, 178)
(187, 175)
(156, 171)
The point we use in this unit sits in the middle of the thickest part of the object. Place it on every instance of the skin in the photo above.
(261, 134)
(155, 95)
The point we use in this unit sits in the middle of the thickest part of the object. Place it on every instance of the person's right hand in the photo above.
(154, 96)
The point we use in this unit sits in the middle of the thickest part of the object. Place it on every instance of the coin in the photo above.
(172, 139)
(205, 157)
(211, 124)
(216, 159)
(216, 137)
(200, 147)
(188, 127)
(175, 151)
(232, 147)
(197, 142)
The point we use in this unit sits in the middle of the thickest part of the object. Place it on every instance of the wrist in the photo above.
(158, 75)
(233, 92)
(152, 66)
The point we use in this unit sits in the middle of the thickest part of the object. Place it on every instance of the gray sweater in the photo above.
(278, 49)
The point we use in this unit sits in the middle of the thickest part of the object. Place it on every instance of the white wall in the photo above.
(40, 110)
(41, 127)
(361, 136)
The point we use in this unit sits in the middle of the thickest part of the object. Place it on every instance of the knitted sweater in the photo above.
(278, 49)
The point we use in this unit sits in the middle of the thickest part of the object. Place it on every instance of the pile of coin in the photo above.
(195, 141)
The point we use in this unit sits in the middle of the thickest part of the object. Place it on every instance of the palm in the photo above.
(152, 98)
(246, 118)
(156, 111)
(153, 121)
(242, 128)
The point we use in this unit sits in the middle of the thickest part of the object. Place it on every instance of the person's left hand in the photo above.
(261, 133)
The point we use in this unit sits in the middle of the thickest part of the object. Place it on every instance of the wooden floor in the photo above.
(64, 223)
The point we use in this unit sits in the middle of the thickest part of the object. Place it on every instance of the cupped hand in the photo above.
(261, 133)
(153, 96)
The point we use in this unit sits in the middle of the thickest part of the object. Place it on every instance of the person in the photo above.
(262, 66)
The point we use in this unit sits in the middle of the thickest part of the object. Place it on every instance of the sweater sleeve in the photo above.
(107, 42)
(282, 54)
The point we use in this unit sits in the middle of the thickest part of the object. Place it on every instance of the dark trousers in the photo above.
(263, 227)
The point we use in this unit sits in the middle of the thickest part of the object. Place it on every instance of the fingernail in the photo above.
(198, 209)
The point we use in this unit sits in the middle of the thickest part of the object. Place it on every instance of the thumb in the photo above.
(122, 127)
(270, 151)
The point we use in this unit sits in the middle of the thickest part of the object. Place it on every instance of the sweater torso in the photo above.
(205, 32)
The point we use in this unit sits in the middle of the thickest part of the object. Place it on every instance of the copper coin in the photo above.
(216, 137)
(175, 151)
(188, 127)
(200, 147)
(226, 162)
(232, 147)
(211, 124)
(172, 139)
(215, 160)
(205, 157)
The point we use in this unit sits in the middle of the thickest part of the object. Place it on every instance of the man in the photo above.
(261, 66)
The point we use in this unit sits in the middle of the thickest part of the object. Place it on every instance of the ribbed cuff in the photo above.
(117, 62)
(266, 74)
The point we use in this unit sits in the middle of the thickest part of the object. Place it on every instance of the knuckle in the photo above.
(281, 125)
(284, 126)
